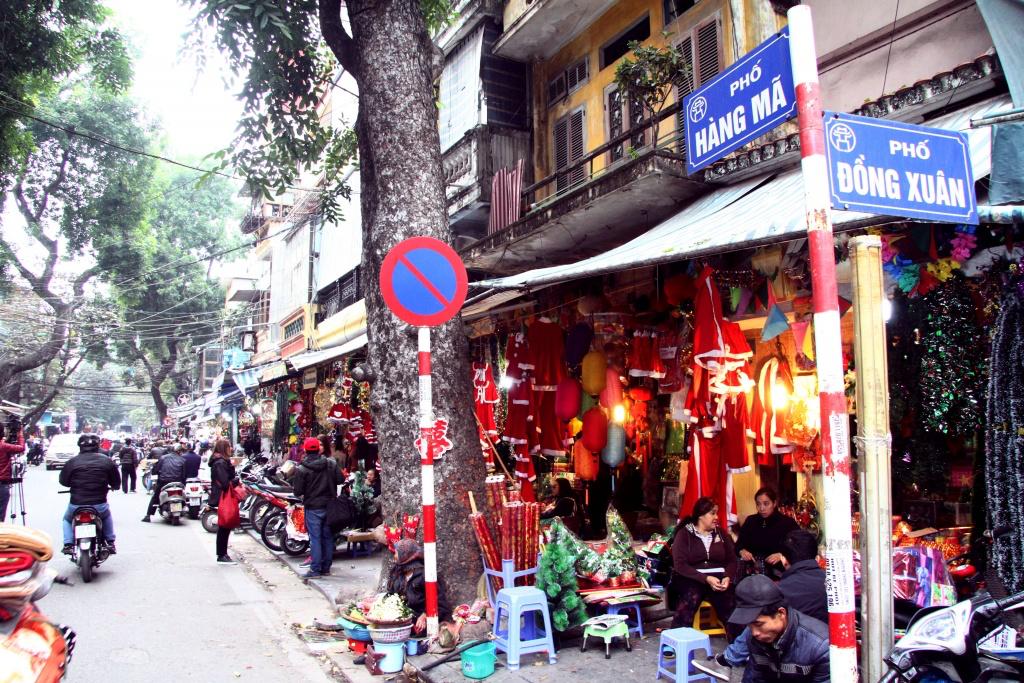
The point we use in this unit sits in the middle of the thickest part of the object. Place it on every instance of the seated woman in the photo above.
(761, 536)
(406, 579)
(703, 564)
(563, 505)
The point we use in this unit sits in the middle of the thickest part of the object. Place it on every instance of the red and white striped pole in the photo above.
(427, 481)
(835, 425)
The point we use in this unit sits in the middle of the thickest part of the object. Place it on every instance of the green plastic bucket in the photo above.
(478, 661)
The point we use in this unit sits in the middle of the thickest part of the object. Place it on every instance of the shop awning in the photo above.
(758, 211)
(248, 378)
(310, 358)
(274, 371)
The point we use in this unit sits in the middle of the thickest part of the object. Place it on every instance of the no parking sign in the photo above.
(423, 281)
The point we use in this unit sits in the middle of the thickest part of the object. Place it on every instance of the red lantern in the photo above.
(567, 399)
(595, 430)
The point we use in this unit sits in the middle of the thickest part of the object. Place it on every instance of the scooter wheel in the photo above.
(175, 520)
(209, 521)
(85, 565)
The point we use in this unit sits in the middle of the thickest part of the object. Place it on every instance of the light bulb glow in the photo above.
(886, 309)
(506, 382)
(780, 396)
(619, 413)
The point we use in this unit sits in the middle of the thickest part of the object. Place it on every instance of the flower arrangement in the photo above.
(389, 609)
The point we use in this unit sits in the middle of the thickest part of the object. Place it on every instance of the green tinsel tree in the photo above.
(953, 361)
(556, 576)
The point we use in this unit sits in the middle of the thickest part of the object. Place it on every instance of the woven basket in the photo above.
(386, 636)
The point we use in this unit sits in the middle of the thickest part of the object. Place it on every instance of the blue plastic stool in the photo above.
(507, 575)
(684, 642)
(514, 604)
(635, 606)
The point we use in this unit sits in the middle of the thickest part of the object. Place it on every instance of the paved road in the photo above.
(161, 608)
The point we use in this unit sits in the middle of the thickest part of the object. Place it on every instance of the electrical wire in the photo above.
(892, 39)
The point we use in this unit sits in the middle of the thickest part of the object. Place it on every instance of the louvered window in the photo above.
(568, 81)
(702, 50)
(569, 148)
(576, 75)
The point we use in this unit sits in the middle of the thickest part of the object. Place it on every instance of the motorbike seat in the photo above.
(273, 488)
(171, 485)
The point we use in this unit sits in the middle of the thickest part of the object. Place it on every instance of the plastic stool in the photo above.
(635, 606)
(706, 620)
(620, 630)
(684, 642)
(514, 604)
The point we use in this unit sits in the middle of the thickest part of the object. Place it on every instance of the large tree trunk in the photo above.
(402, 195)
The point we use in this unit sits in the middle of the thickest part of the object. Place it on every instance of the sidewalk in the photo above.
(352, 578)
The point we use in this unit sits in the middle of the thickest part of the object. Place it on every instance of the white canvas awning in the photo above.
(751, 213)
(310, 358)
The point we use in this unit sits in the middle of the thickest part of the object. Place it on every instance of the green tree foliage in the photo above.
(42, 44)
(173, 304)
(81, 205)
(650, 75)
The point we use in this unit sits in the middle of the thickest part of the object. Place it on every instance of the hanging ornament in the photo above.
(614, 451)
(595, 367)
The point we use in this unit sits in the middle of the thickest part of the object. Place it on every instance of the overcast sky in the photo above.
(196, 110)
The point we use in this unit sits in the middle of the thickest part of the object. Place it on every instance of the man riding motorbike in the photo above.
(169, 468)
(89, 475)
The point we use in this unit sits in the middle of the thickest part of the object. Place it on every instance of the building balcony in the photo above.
(537, 29)
(468, 14)
(469, 167)
(604, 199)
(243, 290)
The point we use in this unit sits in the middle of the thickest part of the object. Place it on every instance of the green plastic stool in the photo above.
(620, 630)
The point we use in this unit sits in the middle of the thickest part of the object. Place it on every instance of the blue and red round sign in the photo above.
(423, 281)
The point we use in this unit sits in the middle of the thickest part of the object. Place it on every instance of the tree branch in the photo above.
(62, 174)
(336, 37)
(36, 412)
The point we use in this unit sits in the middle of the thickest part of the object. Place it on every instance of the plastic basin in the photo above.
(478, 661)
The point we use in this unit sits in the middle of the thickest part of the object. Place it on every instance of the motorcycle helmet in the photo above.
(89, 442)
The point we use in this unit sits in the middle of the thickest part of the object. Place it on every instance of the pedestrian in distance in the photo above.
(316, 482)
(703, 566)
(89, 475)
(128, 457)
(192, 462)
(785, 644)
(222, 478)
(8, 449)
(169, 468)
(803, 586)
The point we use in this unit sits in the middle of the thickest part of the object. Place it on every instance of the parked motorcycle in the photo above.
(196, 491)
(285, 530)
(172, 502)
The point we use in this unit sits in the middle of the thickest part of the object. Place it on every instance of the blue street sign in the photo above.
(743, 102)
(897, 169)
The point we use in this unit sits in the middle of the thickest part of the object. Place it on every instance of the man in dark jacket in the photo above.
(128, 457)
(89, 475)
(316, 482)
(169, 468)
(192, 463)
(802, 584)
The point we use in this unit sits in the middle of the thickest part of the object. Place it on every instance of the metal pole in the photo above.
(874, 451)
(427, 481)
(835, 425)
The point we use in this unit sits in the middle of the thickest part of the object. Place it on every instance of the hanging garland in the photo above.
(952, 361)
(1004, 438)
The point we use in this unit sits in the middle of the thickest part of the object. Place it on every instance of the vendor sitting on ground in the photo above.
(406, 579)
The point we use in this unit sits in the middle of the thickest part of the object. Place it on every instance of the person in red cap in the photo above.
(316, 482)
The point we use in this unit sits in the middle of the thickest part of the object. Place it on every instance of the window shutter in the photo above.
(576, 75)
(569, 148)
(708, 61)
(556, 88)
(684, 86)
(561, 143)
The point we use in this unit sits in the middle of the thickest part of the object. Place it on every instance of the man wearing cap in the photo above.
(785, 644)
(316, 482)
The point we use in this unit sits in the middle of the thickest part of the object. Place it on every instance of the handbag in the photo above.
(341, 512)
(227, 511)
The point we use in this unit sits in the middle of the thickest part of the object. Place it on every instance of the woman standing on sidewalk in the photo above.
(222, 476)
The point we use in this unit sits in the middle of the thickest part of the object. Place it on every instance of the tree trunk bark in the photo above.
(403, 195)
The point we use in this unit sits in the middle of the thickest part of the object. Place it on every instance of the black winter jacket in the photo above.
(800, 653)
(89, 476)
(803, 584)
(128, 456)
(170, 467)
(192, 464)
(413, 589)
(222, 473)
(316, 481)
